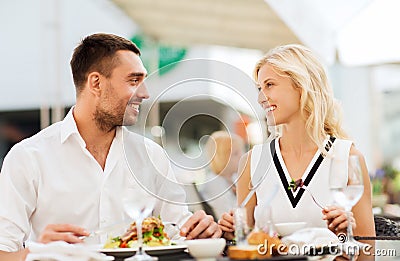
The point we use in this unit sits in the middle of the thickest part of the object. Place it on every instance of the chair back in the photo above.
(386, 227)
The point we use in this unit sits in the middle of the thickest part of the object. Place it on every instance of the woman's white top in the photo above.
(271, 177)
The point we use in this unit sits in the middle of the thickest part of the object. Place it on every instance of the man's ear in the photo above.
(94, 83)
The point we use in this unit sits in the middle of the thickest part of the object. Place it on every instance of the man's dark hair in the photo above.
(96, 53)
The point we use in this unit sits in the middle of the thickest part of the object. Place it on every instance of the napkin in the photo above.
(62, 251)
(305, 238)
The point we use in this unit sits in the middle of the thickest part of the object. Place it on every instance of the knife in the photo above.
(251, 193)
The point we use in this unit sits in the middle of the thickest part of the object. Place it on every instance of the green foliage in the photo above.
(390, 171)
(168, 56)
(377, 187)
(396, 182)
(386, 179)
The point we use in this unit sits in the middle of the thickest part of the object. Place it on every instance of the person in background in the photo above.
(10, 134)
(65, 180)
(224, 151)
(296, 97)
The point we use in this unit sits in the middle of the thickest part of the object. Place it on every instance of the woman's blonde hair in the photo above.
(317, 103)
(219, 148)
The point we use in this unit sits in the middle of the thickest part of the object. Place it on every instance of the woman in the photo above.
(298, 101)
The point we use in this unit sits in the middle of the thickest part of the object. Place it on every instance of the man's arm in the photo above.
(14, 256)
(54, 232)
(17, 198)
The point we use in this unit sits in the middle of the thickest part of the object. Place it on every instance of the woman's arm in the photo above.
(362, 218)
(362, 211)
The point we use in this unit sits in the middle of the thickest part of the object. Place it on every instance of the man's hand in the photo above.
(200, 225)
(62, 232)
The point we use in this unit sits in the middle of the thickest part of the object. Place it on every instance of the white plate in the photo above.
(285, 229)
(154, 251)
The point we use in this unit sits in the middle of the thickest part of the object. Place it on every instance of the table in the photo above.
(384, 250)
(187, 257)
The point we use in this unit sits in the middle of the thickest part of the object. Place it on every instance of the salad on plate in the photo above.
(153, 235)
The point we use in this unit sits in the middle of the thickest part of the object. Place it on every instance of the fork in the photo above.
(312, 196)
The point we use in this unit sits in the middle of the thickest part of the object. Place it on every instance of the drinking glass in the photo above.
(138, 205)
(241, 228)
(347, 194)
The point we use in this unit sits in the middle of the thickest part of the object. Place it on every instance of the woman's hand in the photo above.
(336, 219)
(226, 224)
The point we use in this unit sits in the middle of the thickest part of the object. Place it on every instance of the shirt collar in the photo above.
(69, 128)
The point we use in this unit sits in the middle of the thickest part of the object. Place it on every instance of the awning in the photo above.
(239, 23)
(357, 32)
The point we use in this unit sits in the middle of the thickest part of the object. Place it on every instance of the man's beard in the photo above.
(107, 121)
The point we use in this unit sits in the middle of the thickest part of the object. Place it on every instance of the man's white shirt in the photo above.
(51, 178)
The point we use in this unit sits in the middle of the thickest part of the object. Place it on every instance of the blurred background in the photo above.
(356, 40)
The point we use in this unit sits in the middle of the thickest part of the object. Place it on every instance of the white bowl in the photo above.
(285, 229)
(206, 249)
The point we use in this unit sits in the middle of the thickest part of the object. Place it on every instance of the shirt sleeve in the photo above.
(17, 198)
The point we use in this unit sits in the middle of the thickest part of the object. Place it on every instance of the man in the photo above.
(66, 179)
